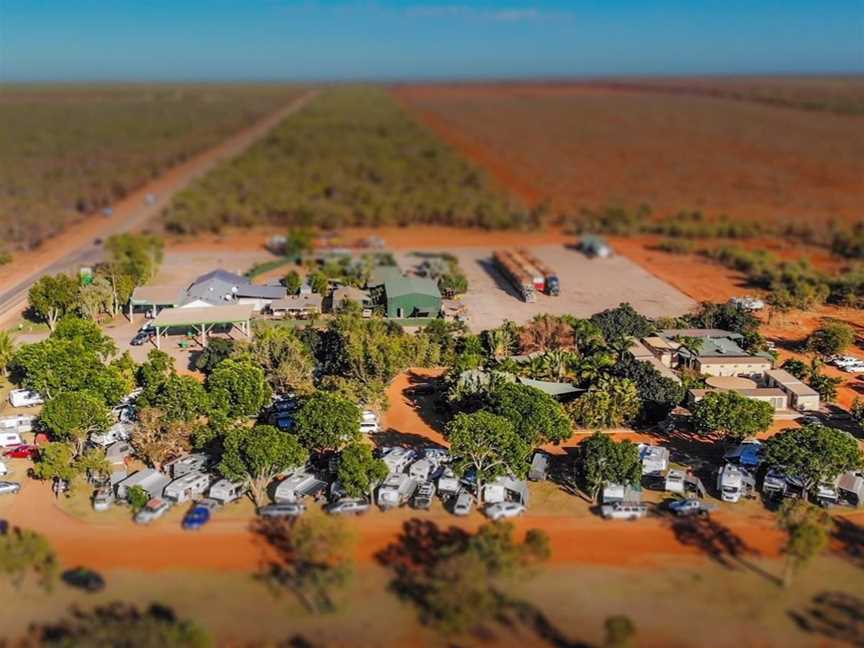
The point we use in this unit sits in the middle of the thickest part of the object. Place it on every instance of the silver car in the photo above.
(287, 509)
(348, 505)
(463, 504)
(9, 488)
(153, 510)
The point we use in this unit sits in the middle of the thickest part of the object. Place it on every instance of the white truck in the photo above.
(734, 482)
(187, 487)
(396, 490)
(297, 486)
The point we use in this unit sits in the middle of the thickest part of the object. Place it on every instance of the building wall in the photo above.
(409, 303)
(742, 369)
(805, 402)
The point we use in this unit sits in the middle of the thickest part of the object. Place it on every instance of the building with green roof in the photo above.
(411, 296)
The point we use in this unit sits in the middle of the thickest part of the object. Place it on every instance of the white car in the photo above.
(463, 504)
(287, 509)
(9, 488)
(504, 510)
(153, 510)
(25, 398)
(623, 511)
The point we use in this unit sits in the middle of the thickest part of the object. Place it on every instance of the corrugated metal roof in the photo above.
(212, 315)
(158, 295)
(399, 286)
(298, 302)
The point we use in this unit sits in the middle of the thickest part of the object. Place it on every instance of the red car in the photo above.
(23, 451)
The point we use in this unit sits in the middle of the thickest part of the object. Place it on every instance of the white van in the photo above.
(25, 398)
(9, 439)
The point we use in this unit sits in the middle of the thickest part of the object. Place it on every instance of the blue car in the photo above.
(197, 517)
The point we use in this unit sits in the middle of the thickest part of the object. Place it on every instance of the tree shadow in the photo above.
(418, 551)
(391, 437)
(833, 615)
(851, 538)
(424, 394)
(719, 543)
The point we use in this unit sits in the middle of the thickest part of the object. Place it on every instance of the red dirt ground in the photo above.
(590, 147)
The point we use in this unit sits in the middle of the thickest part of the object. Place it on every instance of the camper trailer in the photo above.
(225, 491)
(674, 482)
(448, 483)
(397, 459)
(117, 432)
(734, 482)
(539, 467)
(187, 487)
(187, 464)
(423, 470)
(150, 479)
(505, 489)
(655, 459)
(621, 493)
(298, 486)
(851, 488)
(24, 398)
(10, 439)
(396, 490)
(17, 423)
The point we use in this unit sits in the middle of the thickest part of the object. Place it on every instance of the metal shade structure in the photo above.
(202, 320)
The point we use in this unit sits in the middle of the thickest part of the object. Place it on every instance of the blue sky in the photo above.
(344, 40)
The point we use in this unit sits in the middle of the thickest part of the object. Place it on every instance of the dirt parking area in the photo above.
(587, 287)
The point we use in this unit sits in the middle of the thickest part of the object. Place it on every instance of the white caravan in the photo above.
(17, 423)
(396, 490)
(150, 479)
(734, 482)
(9, 439)
(25, 398)
(186, 464)
(225, 491)
(655, 459)
(187, 487)
(117, 432)
(297, 486)
(397, 459)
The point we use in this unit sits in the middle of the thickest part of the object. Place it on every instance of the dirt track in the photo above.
(76, 246)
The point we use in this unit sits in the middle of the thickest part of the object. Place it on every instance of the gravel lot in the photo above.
(587, 286)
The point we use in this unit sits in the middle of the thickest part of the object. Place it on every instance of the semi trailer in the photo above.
(551, 283)
(515, 274)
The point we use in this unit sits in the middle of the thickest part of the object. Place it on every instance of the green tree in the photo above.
(88, 332)
(622, 322)
(56, 461)
(298, 241)
(182, 398)
(120, 624)
(659, 394)
(292, 282)
(137, 498)
(832, 338)
(814, 454)
(135, 255)
(256, 456)
(807, 533)
(318, 282)
(620, 632)
(825, 386)
(217, 350)
(359, 471)
(489, 444)
(52, 297)
(601, 460)
(56, 365)
(797, 368)
(238, 387)
(611, 403)
(285, 359)
(731, 415)
(153, 374)
(158, 438)
(95, 299)
(73, 416)
(7, 350)
(25, 553)
(312, 558)
(327, 422)
(537, 416)
(857, 412)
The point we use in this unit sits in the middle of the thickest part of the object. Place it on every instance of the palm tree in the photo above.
(500, 342)
(7, 350)
(591, 369)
